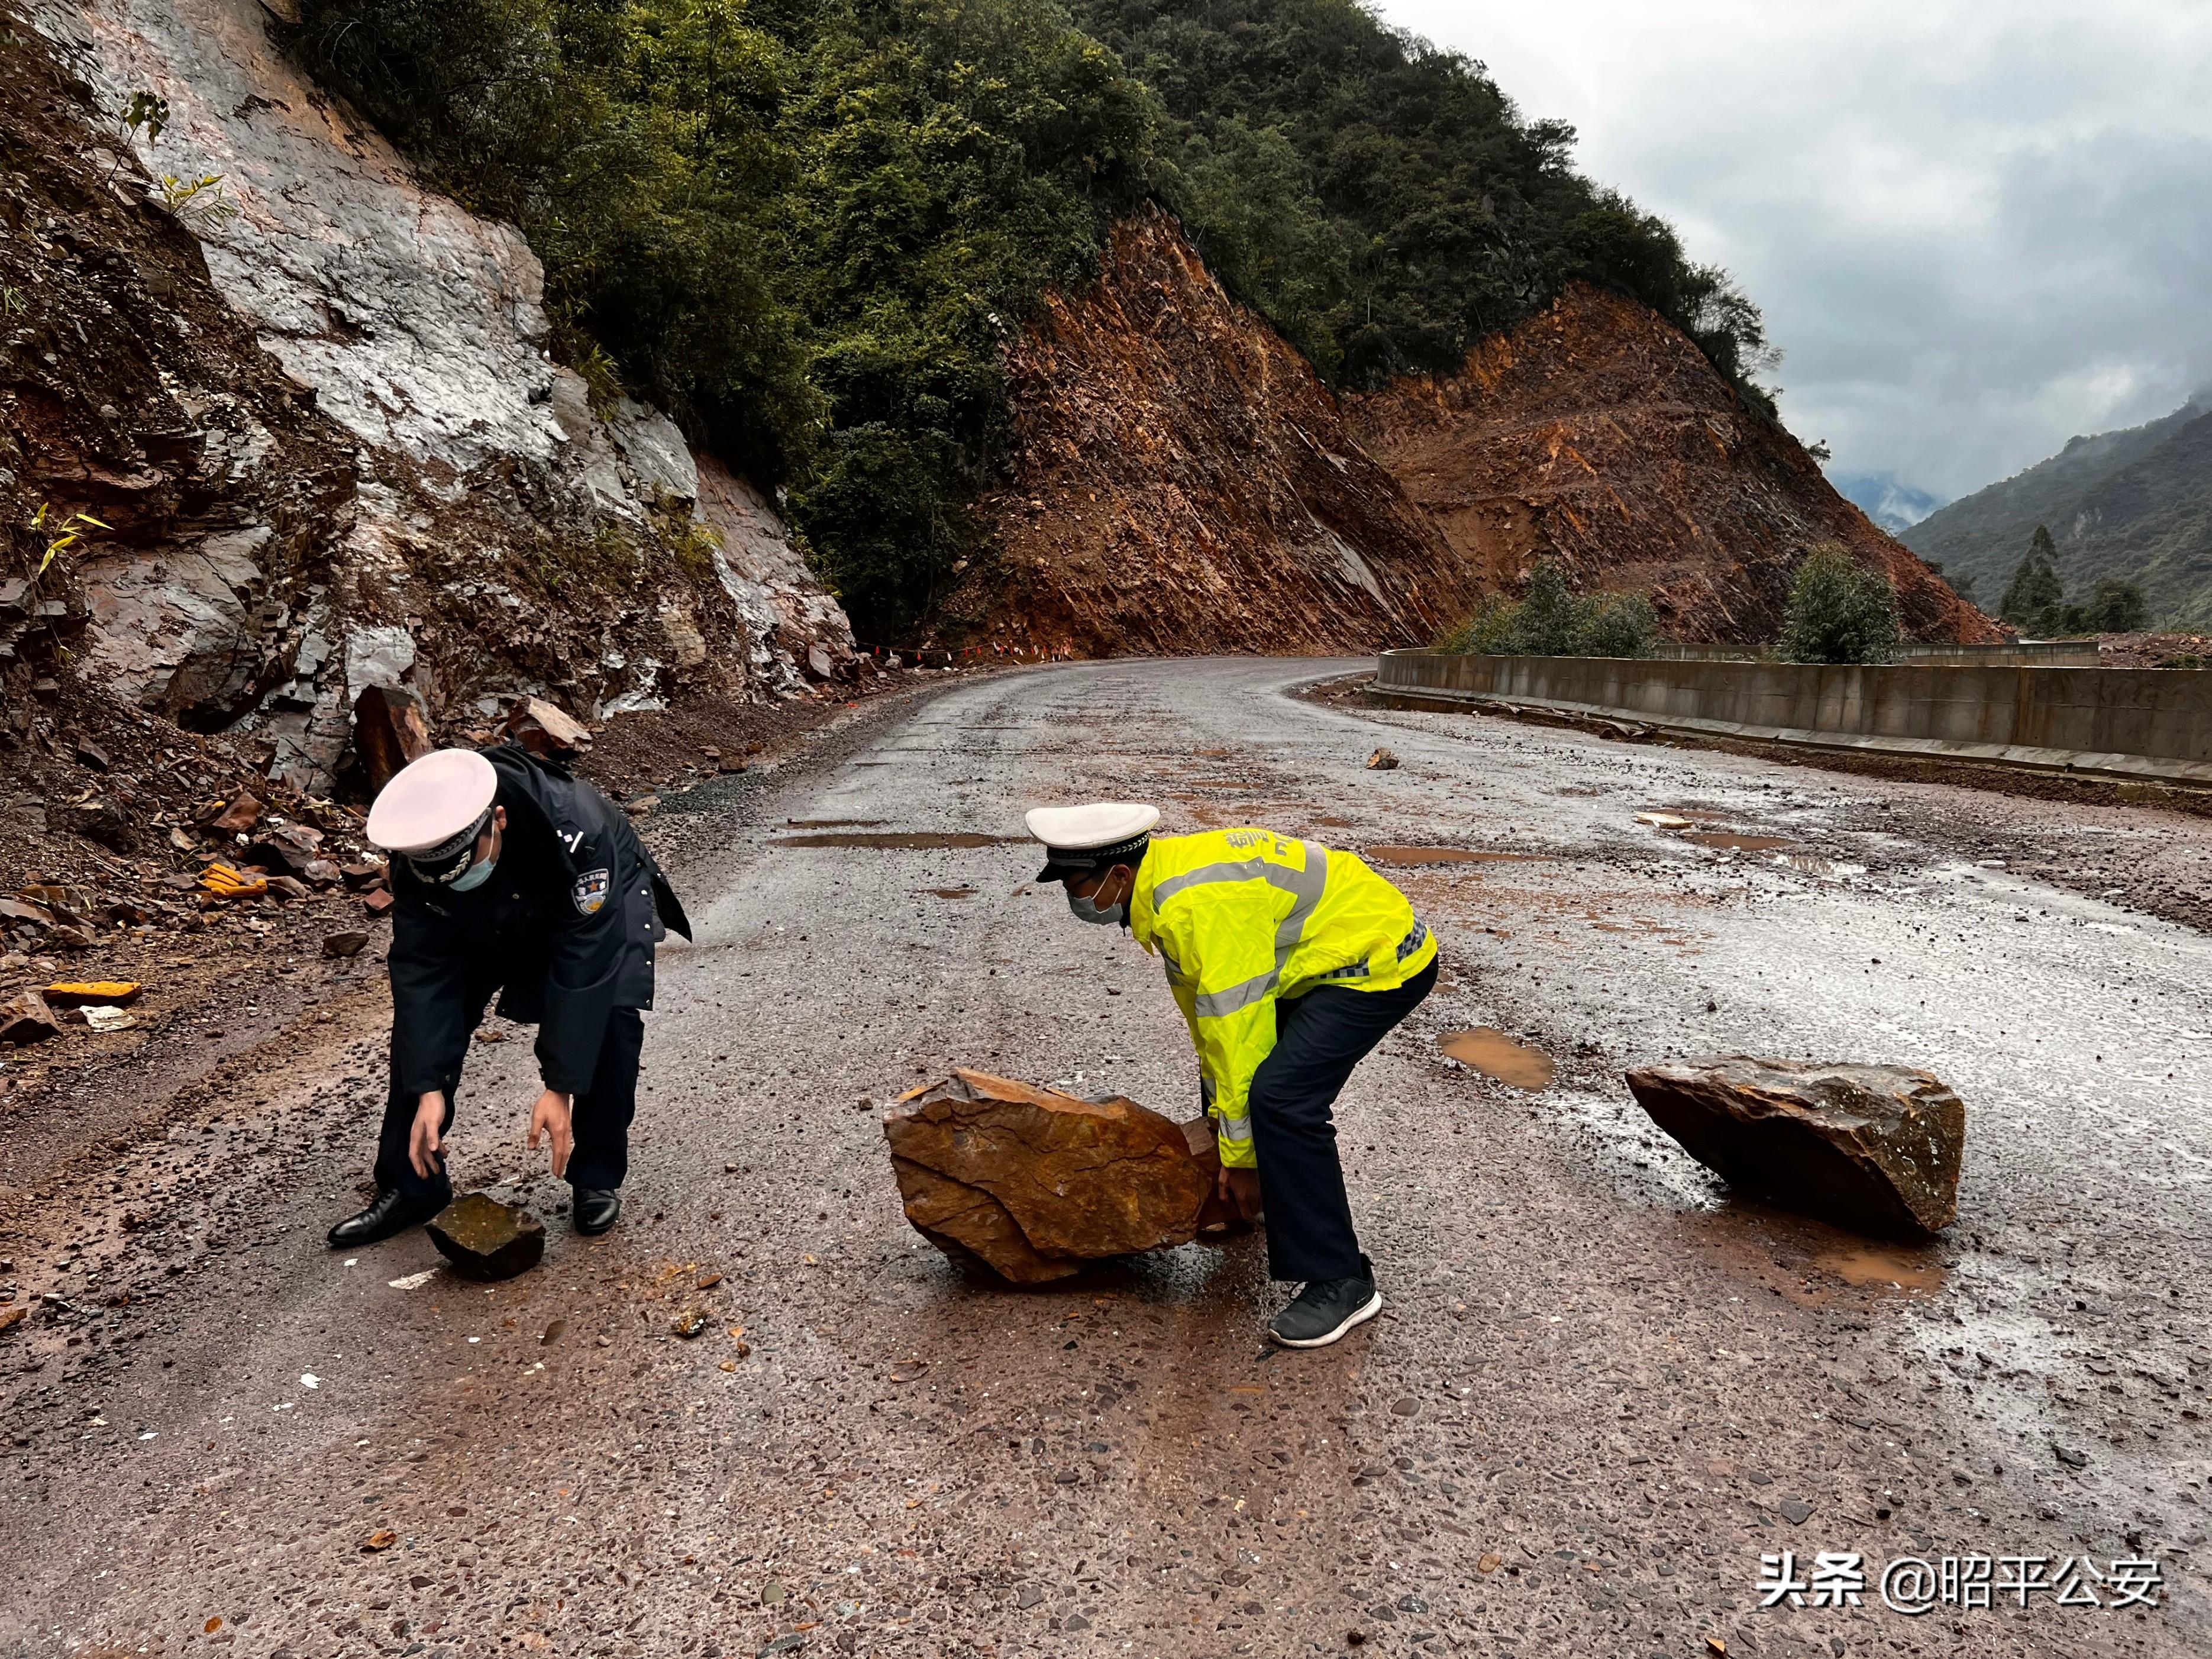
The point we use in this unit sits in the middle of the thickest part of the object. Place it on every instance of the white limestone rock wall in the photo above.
(420, 329)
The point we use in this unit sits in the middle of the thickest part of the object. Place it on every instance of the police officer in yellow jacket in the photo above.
(1290, 961)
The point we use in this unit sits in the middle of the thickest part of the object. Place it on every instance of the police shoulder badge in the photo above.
(590, 891)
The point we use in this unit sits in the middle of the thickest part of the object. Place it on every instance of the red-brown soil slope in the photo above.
(1597, 434)
(1180, 481)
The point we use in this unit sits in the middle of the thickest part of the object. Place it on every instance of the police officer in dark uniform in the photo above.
(509, 876)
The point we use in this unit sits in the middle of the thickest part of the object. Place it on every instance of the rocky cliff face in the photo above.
(1180, 481)
(314, 405)
(1597, 435)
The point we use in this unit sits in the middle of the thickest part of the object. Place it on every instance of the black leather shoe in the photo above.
(596, 1209)
(394, 1212)
(1324, 1310)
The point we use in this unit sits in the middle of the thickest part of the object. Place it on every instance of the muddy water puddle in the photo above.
(1740, 843)
(1884, 1267)
(1495, 1055)
(1411, 855)
(1814, 1264)
(911, 840)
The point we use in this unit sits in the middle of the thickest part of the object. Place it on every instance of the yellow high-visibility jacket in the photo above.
(1242, 918)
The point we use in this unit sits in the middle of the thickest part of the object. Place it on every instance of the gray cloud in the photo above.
(1975, 230)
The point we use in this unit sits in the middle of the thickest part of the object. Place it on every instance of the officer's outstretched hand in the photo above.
(426, 1141)
(552, 1115)
(1242, 1188)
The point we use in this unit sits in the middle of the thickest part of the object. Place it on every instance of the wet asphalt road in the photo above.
(1601, 1392)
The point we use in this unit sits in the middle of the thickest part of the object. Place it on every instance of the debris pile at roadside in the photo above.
(1873, 1148)
(1037, 1185)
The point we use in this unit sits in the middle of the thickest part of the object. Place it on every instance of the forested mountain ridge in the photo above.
(2134, 506)
(1380, 199)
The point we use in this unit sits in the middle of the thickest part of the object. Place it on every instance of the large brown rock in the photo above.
(1036, 1184)
(1873, 1148)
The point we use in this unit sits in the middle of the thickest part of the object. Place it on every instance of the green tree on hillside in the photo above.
(2116, 607)
(2034, 588)
(1839, 611)
(1550, 619)
(2035, 600)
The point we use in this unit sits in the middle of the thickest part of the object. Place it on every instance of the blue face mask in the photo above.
(472, 878)
(1106, 916)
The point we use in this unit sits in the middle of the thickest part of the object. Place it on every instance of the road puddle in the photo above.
(911, 840)
(1881, 1266)
(1495, 1055)
(1741, 842)
(1411, 855)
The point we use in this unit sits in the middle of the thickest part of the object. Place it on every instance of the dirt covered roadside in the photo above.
(110, 822)
(132, 1162)
(2121, 843)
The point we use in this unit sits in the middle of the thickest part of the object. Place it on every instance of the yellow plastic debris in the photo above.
(77, 992)
(220, 878)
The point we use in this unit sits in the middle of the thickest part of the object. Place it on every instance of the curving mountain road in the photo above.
(1600, 1393)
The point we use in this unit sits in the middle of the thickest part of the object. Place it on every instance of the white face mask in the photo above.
(1108, 916)
(472, 878)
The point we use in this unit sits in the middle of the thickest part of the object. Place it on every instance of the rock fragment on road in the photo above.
(1873, 1148)
(1035, 1184)
(487, 1240)
(25, 1017)
(1382, 760)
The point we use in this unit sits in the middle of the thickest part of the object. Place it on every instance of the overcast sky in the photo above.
(1976, 226)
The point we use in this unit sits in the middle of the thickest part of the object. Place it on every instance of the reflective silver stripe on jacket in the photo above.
(1305, 887)
(1233, 1128)
(1211, 1005)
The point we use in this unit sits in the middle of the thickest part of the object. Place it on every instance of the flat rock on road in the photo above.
(1602, 1392)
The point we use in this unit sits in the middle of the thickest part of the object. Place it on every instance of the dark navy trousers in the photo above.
(600, 1117)
(1319, 1038)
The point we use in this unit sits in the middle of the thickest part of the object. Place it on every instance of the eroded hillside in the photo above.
(1597, 435)
(1180, 481)
(311, 409)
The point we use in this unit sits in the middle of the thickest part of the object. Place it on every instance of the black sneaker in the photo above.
(1324, 1310)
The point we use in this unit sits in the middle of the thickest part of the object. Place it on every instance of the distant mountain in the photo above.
(1895, 507)
(2135, 504)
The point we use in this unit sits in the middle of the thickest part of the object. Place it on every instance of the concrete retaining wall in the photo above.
(2033, 653)
(2125, 722)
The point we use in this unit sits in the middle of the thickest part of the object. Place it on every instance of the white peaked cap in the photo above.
(431, 801)
(1082, 838)
(1088, 828)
